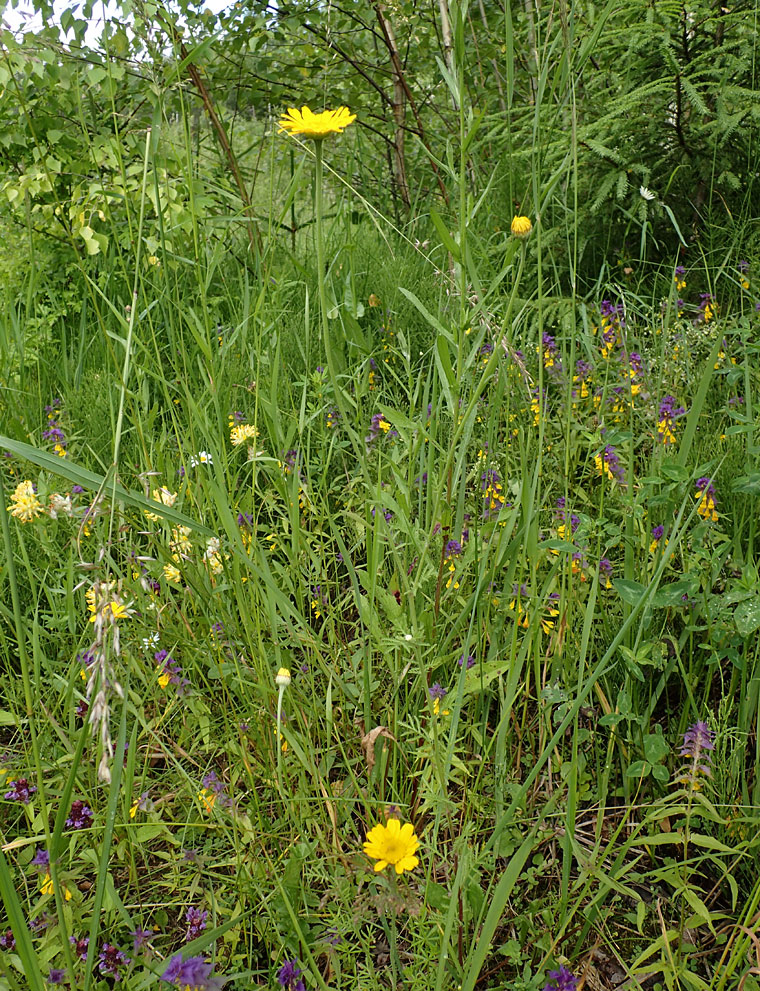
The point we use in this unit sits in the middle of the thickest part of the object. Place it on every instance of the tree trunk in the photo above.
(399, 106)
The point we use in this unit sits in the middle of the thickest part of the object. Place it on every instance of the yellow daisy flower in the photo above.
(521, 226)
(307, 124)
(392, 843)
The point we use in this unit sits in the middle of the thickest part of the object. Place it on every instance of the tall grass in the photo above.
(560, 824)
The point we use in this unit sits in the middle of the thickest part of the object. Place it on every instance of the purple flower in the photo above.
(110, 960)
(81, 709)
(666, 417)
(39, 923)
(436, 692)
(212, 783)
(583, 369)
(704, 484)
(698, 737)
(289, 976)
(605, 571)
(80, 946)
(453, 549)
(610, 309)
(171, 672)
(20, 791)
(7, 941)
(470, 659)
(56, 976)
(76, 490)
(698, 744)
(80, 817)
(41, 859)
(561, 980)
(290, 459)
(552, 362)
(196, 923)
(378, 426)
(140, 938)
(743, 266)
(608, 464)
(192, 973)
(657, 532)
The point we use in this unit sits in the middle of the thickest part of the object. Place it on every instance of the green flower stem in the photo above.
(280, 694)
(322, 282)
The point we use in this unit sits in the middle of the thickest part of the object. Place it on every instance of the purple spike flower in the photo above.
(110, 960)
(698, 744)
(289, 976)
(561, 980)
(80, 817)
(20, 791)
(193, 973)
(196, 923)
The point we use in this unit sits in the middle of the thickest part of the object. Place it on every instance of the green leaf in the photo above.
(629, 591)
(447, 240)
(656, 747)
(639, 769)
(747, 483)
(18, 924)
(747, 616)
(498, 900)
(672, 594)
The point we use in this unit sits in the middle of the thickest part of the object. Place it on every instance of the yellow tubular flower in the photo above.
(307, 124)
(393, 844)
(25, 505)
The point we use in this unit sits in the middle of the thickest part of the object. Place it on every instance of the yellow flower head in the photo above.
(46, 887)
(392, 843)
(172, 573)
(282, 678)
(316, 126)
(242, 433)
(163, 496)
(25, 505)
(521, 226)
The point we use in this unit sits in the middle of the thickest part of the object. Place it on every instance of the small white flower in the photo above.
(148, 643)
(282, 678)
(201, 458)
(408, 637)
(647, 194)
(59, 504)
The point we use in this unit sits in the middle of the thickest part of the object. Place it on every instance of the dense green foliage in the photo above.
(490, 498)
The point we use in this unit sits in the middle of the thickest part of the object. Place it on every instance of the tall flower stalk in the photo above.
(305, 123)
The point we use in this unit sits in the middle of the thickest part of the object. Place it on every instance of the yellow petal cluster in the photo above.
(25, 505)
(307, 124)
(521, 226)
(394, 844)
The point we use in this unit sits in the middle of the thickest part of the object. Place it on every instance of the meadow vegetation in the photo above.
(379, 497)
